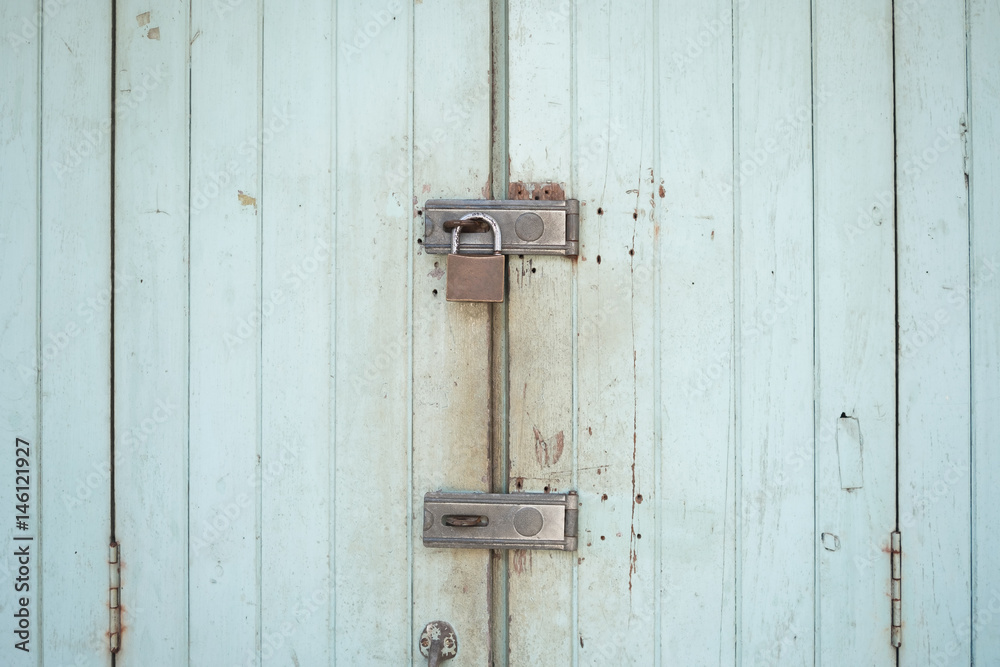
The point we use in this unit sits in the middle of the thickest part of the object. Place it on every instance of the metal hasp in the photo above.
(527, 227)
(501, 520)
(438, 642)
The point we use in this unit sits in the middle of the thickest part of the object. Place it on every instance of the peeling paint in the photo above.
(245, 199)
(545, 453)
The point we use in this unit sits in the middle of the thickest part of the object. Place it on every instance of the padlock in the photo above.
(475, 277)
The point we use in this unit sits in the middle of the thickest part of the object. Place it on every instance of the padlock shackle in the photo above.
(494, 225)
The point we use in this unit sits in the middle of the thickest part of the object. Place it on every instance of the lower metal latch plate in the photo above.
(501, 520)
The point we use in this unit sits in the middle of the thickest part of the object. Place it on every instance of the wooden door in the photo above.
(225, 352)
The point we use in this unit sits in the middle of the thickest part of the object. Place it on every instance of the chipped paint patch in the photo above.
(142, 19)
(154, 33)
(548, 454)
(245, 199)
(537, 191)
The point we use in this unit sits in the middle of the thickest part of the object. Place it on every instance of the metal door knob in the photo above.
(438, 643)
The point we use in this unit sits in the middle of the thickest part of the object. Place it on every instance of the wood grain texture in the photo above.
(151, 330)
(695, 510)
(616, 322)
(540, 317)
(933, 312)
(984, 181)
(20, 341)
(855, 329)
(296, 312)
(373, 241)
(225, 458)
(451, 341)
(75, 294)
(774, 400)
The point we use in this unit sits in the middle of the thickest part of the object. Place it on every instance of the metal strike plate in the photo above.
(527, 227)
(501, 520)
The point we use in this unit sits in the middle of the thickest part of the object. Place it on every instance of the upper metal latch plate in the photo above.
(527, 227)
(501, 520)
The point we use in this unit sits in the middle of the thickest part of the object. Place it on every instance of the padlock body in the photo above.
(475, 278)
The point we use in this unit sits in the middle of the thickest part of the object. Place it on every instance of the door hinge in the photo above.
(114, 599)
(897, 605)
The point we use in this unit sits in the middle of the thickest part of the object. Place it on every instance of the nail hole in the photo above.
(638, 536)
(419, 241)
(631, 251)
(434, 292)
(638, 499)
(604, 497)
(602, 537)
(533, 269)
(546, 489)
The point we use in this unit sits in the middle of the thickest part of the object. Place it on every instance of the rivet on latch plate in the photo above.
(438, 642)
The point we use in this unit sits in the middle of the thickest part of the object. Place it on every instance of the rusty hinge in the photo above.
(114, 599)
(897, 585)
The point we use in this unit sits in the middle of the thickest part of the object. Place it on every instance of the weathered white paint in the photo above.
(695, 515)
(775, 376)
(20, 334)
(151, 329)
(855, 334)
(540, 328)
(297, 258)
(451, 342)
(984, 177)
(933, 311)
(75, 289)
(273, 296)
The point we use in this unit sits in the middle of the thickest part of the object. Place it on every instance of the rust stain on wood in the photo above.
(536, 191)
(548, 454)
(520, 561)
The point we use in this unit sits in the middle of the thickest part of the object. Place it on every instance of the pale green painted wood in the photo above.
(226, 471)
(374, 245)
(450, 439)
(20, 339)
(855, 328)
(151, 329)
(540, 333)
(774, 345)
(984, 182)
(296, 305)
(616, 322)
(695, 514)
(933, 311)
(75, 290)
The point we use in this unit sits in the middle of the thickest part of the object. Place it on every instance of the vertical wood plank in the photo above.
(696, 518)
(295, 313)
(20, 125)
(76, 296)
(225, 310)
(151, 328)
(774, 403)
(540, 325)
(855, 328)
(451, 341)
(616, 323)
(984, 91)
(374, 242)
(933, 319)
